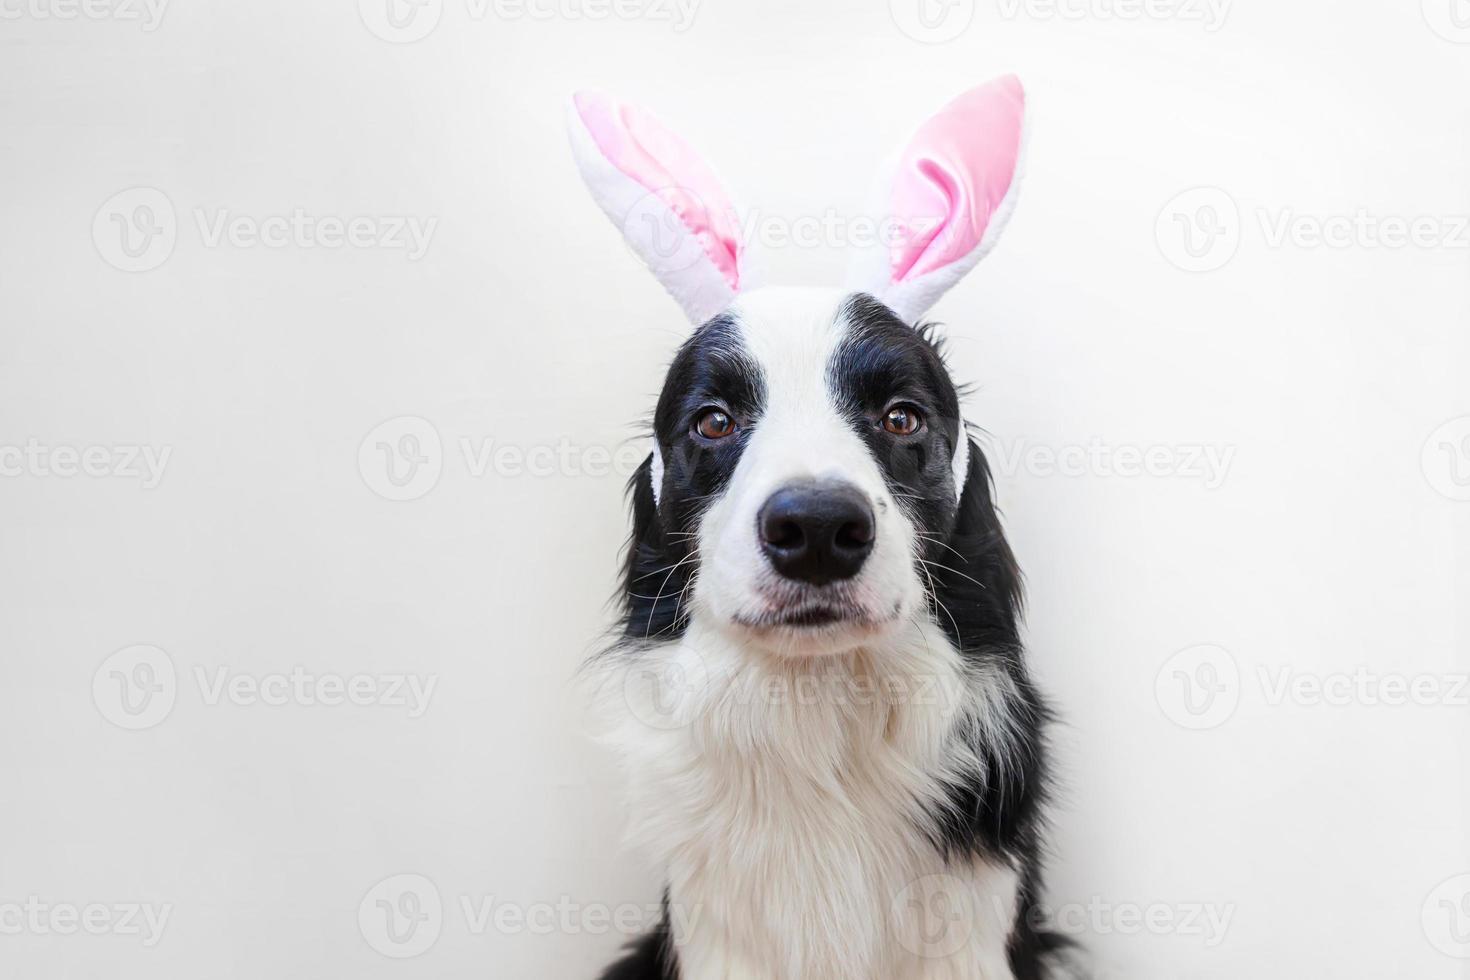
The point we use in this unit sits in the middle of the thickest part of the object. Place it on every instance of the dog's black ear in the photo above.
(641, 499)
(978, 604)
(976, 579)
(656, 573)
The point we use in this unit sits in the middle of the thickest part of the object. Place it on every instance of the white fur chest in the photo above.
(787, 801)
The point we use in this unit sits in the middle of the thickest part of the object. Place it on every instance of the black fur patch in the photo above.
(650, 958)
(881, 361)
(712, 368)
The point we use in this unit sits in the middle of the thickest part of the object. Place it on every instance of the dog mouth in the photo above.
(809, 616)
(812, 610)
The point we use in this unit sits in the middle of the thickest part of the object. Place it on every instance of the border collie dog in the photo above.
(834, 749)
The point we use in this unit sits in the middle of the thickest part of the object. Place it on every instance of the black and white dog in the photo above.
(834, 749)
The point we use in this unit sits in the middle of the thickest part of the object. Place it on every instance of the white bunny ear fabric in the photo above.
(945, 198)
(671, 208)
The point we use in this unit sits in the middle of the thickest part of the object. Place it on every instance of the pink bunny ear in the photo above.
(946, 198)
(668, 203)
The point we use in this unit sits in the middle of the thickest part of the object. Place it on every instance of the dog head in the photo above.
(810, 464)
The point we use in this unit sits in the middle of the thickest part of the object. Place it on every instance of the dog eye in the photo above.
(903, 420)
(713, 423)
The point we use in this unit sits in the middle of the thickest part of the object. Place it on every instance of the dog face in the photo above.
(807, 445)
(809, 451)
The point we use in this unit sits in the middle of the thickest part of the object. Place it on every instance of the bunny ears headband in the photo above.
(943, 200)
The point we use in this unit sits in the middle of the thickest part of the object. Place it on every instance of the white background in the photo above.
(1332, 542)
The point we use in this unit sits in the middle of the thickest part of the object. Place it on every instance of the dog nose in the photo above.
(817, 532)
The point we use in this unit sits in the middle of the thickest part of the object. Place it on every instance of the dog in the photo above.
(817, 688)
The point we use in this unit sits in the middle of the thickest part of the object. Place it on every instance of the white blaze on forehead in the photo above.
(793, 334)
